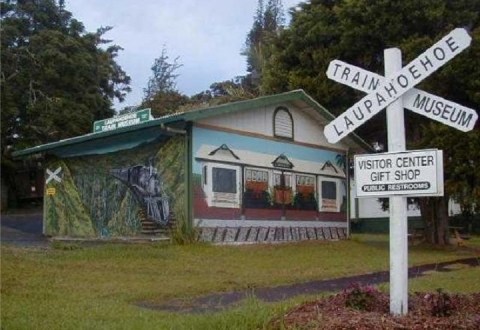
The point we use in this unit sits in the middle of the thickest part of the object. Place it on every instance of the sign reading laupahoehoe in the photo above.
(425, 104)
(130, 119)
(396, 85)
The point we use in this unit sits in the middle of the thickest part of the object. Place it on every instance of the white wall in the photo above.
(307, 127)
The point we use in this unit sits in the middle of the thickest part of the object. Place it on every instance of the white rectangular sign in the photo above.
(398, 84)
(410, 173)
(418, 101)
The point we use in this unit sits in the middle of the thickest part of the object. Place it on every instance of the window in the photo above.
(329, 196)
(329, 190)
(282, 123)
(305, 185)
(224, 180)
(277, 180)
(303, 180)
(255, 175)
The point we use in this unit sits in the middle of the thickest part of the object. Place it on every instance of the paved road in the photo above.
(23, 228)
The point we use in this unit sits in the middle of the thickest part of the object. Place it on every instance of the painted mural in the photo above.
(245, 177)
(125, 193)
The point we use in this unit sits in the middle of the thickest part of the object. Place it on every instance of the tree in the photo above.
(161, 94)
(56, 79)
(269, 20)
(357, 31)
(164, 75)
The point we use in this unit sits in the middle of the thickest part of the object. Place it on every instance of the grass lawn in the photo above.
(95, 287)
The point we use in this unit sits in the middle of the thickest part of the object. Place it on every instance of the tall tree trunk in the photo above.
(435, 217)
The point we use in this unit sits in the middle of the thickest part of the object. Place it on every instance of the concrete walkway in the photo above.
(23, 228)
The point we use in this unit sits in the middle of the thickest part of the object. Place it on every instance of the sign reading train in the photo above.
(412, 173)
(398, 84)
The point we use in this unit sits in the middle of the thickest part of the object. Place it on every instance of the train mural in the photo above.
(147, 187)
(126, 193)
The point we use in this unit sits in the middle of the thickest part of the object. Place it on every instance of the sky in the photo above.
(207, 36)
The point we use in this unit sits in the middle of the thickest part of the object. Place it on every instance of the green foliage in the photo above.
(268, 21)
(164, 76)
(165, 102)
(184, 231)
(58, 245)
(56, 78)
(161, 94)
(362, 298)
(460, 161)
(357, 32)
(233, 90)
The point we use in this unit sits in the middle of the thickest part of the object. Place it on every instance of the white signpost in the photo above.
(395, 92)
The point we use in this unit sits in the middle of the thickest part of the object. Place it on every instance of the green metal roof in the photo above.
(95, 140)
(116, 136)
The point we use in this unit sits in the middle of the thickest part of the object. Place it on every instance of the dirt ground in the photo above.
(426, 311)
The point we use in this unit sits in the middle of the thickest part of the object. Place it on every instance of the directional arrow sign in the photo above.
(418, 101)
(398, 84)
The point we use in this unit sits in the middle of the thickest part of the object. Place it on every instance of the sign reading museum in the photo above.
(412, 173)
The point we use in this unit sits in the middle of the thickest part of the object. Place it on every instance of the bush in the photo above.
(441, 304)
(363, 298)
(183, 232)
(57, 245)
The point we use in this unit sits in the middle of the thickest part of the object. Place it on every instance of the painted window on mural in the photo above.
(283, 123)
(256, 180)
(224, 180)
(285, 181)
(305, 192)
(329, 196)
(256, 175)
(256, 188)
(305, 181)
(305, 185)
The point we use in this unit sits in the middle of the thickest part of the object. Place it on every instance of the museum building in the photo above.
(251, 171)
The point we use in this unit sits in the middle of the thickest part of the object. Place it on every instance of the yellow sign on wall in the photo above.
(51, 191)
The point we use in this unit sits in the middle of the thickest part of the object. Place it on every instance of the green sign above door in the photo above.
(129, 119)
